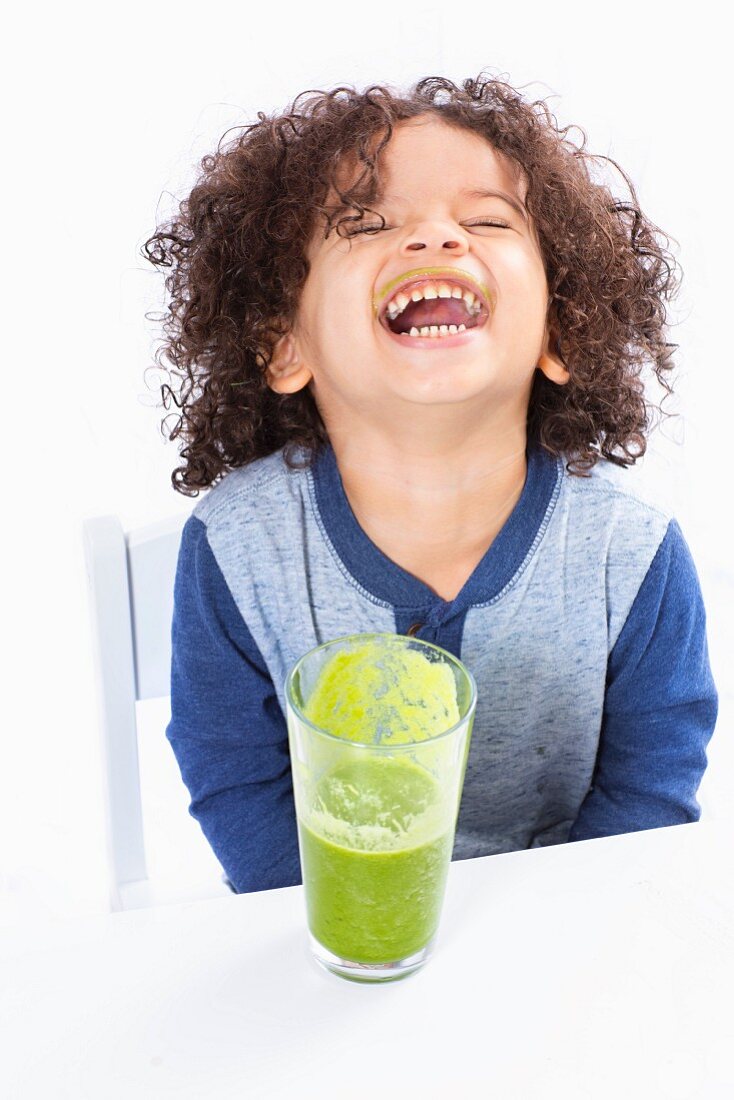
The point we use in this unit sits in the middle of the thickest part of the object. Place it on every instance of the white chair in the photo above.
(131, 577)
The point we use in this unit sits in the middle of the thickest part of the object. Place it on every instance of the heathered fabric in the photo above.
(583, 626)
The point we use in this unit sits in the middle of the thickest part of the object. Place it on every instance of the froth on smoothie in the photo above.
(383, 694)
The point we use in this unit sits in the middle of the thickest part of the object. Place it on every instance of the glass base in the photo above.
(369, 972)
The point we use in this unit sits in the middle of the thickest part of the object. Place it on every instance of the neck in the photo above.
(449, 500)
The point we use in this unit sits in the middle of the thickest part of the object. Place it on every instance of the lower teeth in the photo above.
(436, 330)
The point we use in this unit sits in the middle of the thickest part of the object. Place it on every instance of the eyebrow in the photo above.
(488, 193)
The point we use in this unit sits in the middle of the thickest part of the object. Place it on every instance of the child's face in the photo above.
(357, 368)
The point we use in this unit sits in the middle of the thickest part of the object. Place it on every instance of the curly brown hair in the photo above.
(237, 250)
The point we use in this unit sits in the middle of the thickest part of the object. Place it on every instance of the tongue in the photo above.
(433, 311)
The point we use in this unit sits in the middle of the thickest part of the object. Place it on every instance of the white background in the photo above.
(107, 115)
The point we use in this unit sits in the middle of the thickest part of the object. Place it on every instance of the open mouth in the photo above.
(431, 308)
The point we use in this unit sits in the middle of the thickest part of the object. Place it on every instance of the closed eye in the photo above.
(366, 229)
(499, 225)
(377, 228)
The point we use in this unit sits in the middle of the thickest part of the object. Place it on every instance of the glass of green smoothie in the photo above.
(379, 727)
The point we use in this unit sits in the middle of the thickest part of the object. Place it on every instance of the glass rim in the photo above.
(405, 745)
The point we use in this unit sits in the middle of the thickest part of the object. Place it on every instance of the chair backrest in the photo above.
(131, 577)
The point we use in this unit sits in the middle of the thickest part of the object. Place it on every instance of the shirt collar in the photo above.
(387, 581)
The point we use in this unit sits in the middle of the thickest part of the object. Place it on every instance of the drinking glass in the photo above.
(379, 727)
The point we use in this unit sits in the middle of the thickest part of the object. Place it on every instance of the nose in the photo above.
(436, 235)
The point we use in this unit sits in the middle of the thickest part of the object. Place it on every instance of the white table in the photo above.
(590, 970)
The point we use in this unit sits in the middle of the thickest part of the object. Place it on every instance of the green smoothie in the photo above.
(375, 856)
(376, 827)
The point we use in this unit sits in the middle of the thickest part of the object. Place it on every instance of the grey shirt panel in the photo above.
(540, 653)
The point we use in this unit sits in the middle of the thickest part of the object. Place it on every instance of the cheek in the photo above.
(523, 290)
(317, 315)
(341, 317)
(331, 339)
(521, 265)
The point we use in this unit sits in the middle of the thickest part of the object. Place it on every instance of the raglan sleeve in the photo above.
(660, 705)
(227, 729)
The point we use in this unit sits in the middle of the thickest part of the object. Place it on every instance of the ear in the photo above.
(286, 373)
(551, 364)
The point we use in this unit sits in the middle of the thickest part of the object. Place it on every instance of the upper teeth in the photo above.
(397, 304)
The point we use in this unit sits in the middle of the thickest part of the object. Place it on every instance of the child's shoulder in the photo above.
(617, 514)
(616, 519)
(247, 485)
(628, 490)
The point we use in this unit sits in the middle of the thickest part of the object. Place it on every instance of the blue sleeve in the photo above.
(227, 730)
(660, 705)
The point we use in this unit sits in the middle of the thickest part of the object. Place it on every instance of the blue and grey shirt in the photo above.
(583, 626)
